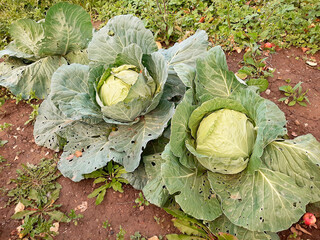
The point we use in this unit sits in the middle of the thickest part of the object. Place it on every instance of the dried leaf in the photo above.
(159, 45)
(70, 157)
(55, 227)
(19, 208)
(82, 207)
(78, 153)
(298, 227)
(312, 64)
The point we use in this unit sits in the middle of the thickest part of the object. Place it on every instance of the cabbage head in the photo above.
(228, 161)
(39, 48)
(110, 109)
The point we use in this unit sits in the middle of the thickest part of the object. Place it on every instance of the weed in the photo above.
(141, 201)
(254, 69)
(157, 219)
(121, 233)
(106, 224)
(35, 182)
(33, 114)
(111, 177)
(294, 95)
(5, 126)
(36, 193)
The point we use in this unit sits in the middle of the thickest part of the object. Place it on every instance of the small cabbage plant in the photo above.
(111, 108)
(228, 161)
(40, 48)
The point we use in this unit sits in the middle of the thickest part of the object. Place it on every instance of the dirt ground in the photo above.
(118, 208)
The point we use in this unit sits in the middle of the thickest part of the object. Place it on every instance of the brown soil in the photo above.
(118, 208)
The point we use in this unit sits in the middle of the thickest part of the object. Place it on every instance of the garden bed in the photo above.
(118, 208)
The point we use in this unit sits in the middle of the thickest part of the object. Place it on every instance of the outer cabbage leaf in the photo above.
(261, 201)
(80, 57)
(22, 79)
(50, 123)
(27, 35)
(70, 91)
(12, 51)
(222, 224)
(155, 190)
(67, 27)
(213, 78)
(131, 140)
(267, 117)
(182, 56)
(120, 32)
(180, 131)
(299, 159)
(191, 188)
(92, 141)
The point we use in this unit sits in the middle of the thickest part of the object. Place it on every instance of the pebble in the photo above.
(297, 122)
(153, 238)
(306, 124)
(31, 150)
(268, 91)
(294, 134)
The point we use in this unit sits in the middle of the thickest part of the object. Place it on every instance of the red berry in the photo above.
(268, 45)
(309, 219)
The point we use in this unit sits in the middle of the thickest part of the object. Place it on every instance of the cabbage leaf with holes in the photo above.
(228, 161)
(111, 108)
(40, 48)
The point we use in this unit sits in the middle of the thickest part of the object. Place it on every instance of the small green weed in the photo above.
(294, 95)
(141, 201)
(106, 224)
(121, 233)
(111, 177)
(254, 69)
(35, 182)
(35, 194)
(193, 228)
(5, 126)
(33, 115)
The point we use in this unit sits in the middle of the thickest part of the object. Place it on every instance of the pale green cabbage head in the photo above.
(117, 86)
(226, 134)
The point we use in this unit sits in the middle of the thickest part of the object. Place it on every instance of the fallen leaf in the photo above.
(78, 153)
(201, 20)
(293, 230)
(19, 208)
(312, 64)
(298, 227)
(153, 238)
(159, 45)
(82, 207)
(70, 157)
(305, 49)
(19, 229)
(237, 49)
(55, 227)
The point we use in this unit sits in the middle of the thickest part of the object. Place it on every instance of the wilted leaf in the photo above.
(20, 207)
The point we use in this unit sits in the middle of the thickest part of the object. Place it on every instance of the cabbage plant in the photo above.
(228, 161)
(40, 48)
(111, 108)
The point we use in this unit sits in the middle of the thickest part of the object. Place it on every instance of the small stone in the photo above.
(141, 208)
(153, 238)
(268, 91)
(120, 195)
(32, 150)
(18, 128)
(306, 124)
(297, 122)
(294, 134)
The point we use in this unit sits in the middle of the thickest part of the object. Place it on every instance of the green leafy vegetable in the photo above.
(227, 161)
(112, 108)
(40, 48)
